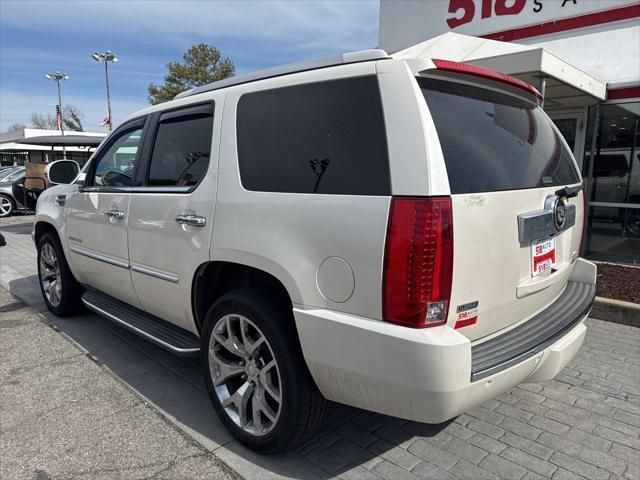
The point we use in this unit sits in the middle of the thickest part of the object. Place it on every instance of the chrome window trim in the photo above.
(168, 189)
(171, 189)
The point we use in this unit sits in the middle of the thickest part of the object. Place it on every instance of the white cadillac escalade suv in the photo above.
(397, 235)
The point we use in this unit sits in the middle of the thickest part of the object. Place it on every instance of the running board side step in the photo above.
(164, 334)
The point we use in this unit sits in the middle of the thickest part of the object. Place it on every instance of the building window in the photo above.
(613, 184)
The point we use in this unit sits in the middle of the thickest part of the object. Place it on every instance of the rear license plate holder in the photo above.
(543, 256)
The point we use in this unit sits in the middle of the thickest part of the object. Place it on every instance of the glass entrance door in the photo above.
(613, 183)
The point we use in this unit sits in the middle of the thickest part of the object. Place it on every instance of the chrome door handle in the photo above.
(117, 214)
(193, 220)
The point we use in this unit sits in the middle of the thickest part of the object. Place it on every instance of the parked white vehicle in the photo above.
(400, 236)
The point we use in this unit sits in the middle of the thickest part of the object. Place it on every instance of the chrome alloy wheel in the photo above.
(245, 374)
(50, 275)
(5, 206)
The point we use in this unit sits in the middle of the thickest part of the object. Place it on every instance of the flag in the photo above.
(105, 122)
(58, 118)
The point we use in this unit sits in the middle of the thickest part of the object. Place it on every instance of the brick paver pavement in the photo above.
(583, 424)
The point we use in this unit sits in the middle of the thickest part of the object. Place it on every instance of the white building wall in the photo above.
(610, 52)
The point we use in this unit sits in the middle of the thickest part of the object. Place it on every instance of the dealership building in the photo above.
(584, 57)
(37, 145)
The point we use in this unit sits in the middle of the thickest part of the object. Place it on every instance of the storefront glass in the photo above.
(568, 128)
(613, 184)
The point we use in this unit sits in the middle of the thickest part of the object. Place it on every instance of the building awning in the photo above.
(14, 146)
(565, 84)
(65, 140)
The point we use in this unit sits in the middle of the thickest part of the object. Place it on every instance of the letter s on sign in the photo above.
(469, 9)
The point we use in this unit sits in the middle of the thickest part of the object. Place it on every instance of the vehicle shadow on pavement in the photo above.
(174, 386)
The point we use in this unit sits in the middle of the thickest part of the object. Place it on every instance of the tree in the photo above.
(71, 116)
(201, 64)
(44, 121)
(17, 127)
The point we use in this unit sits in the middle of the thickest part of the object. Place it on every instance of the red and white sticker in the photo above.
(466, 314)
(543, 256)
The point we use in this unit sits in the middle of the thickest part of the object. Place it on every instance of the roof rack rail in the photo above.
(351, 57)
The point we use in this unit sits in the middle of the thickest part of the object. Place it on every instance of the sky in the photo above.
(37, 37)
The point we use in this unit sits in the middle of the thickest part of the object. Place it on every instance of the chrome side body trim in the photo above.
(123, 264)
(154, 273)
(142, 333)
(99, 256)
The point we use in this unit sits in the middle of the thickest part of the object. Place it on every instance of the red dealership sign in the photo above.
(403, 23)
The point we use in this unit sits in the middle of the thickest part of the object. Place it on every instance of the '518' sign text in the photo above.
(488, 8)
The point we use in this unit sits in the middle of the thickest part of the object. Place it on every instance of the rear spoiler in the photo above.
(467, 69)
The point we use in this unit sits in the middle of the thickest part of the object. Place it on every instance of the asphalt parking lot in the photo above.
(584, 424)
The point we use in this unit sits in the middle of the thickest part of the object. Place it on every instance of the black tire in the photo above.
(12, 206)
(71, 294)
(303, 407)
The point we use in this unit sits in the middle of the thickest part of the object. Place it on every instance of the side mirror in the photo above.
(62, 172)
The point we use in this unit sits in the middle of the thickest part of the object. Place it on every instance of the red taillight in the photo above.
(457, 67)
(418, 261)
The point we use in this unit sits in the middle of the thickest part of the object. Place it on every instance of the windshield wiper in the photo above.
(569, 192)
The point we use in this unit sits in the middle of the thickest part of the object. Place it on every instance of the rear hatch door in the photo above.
(512, 177)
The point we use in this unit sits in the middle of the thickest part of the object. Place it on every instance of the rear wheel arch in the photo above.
(214, 279)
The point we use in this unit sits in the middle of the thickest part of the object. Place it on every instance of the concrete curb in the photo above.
(617, 311)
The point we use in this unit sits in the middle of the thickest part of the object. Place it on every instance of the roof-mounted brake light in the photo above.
(465, 68)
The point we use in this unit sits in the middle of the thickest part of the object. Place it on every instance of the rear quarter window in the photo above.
(327, 137)
(492, 141)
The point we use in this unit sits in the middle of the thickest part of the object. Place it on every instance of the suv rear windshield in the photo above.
(492, 141)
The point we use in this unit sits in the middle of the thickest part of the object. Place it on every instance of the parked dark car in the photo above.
(8, 200)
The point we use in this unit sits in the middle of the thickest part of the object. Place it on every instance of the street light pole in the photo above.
(57, 77)
(105, 58)
(60, 107)
(106, 76)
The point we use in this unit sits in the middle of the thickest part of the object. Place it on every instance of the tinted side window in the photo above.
(493, 141)
(115, 167)
(326, 137)
(181, 150)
